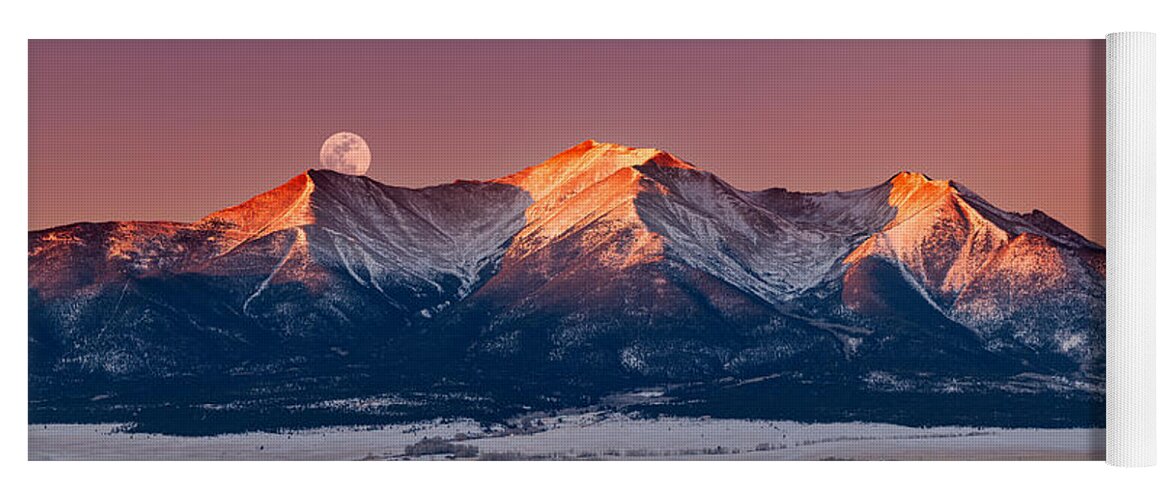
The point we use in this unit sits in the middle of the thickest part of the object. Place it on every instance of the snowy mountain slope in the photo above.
(979, 265)
(324, 256)
(433, 242)
(586, 192)
(769, 252)
(943, 234)
(672, 210)
(588, 287)
(1041, 294)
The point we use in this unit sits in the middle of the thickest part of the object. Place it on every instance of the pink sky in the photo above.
(172, 130)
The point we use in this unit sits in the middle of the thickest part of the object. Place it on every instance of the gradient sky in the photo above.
(173, 130)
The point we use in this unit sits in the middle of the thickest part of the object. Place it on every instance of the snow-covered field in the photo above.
(588, 436)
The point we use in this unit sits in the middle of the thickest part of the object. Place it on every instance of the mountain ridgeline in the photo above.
(604, 269)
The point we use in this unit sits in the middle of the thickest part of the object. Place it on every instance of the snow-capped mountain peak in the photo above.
(585, 184)
(913, 192)
(583, 165)
(281, 208)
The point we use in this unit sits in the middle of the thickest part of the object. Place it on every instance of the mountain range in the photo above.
(603, 269)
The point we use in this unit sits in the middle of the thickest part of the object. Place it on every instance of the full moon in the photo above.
(346, 152)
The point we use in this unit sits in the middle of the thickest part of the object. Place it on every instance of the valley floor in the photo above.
(582, 436)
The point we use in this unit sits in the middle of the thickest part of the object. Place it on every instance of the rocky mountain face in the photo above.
(604, 267)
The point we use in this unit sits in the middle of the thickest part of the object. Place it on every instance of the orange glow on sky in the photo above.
(174, 130)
